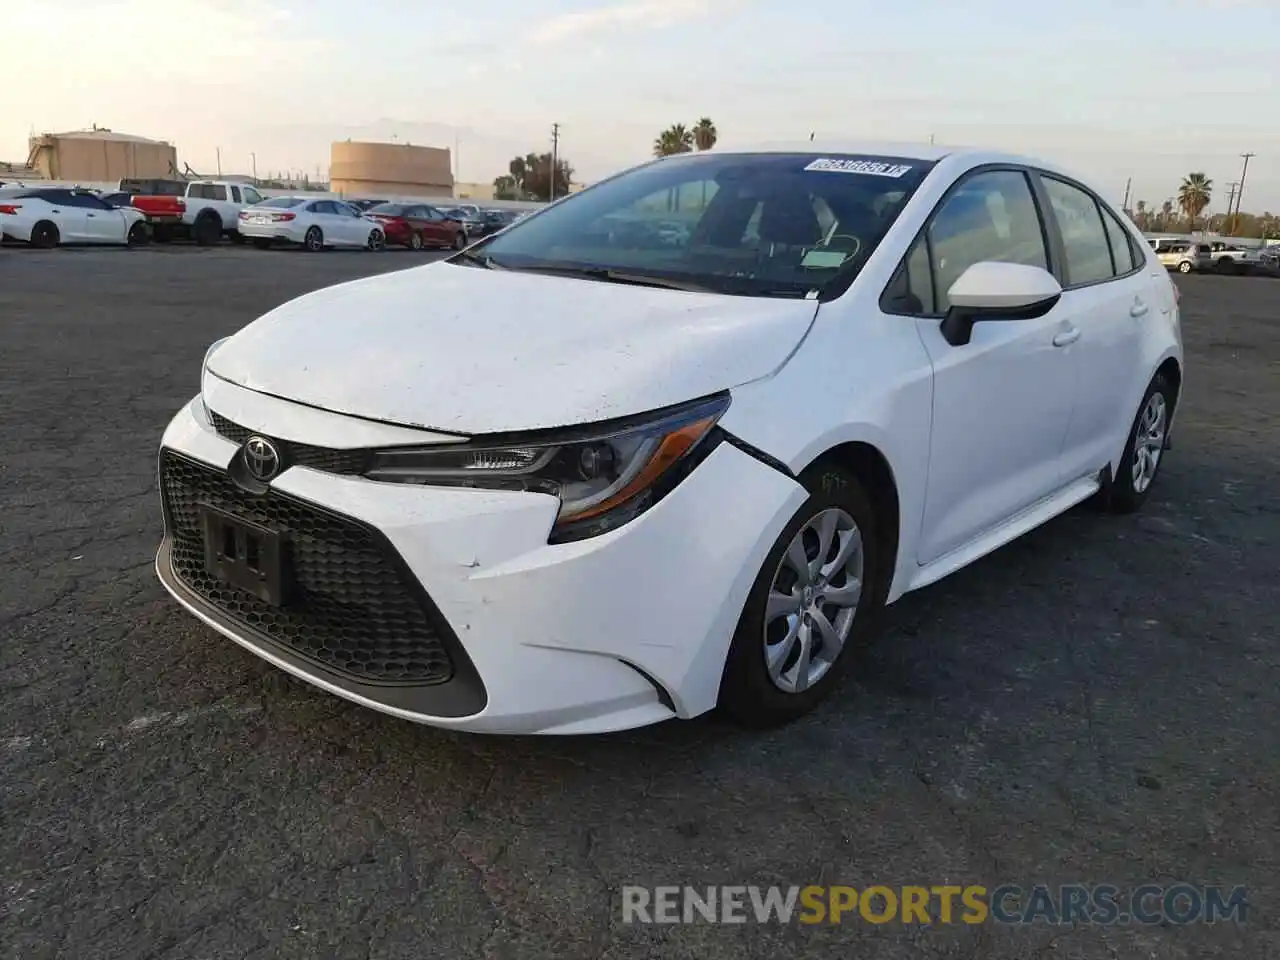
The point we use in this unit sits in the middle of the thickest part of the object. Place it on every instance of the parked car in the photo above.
(472, 222)
(206, 211)
(556, 485)
(312, 224)
(1234, 258)
(363, 205)
(47, 217)
(1184, 256)
(418, 226)
(491, 221)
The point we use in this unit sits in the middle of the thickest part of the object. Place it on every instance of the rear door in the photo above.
(440, 230)
(1106, 289)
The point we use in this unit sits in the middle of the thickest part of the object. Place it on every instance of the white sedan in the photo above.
(310, 223)
(578, 479)
(48, 216)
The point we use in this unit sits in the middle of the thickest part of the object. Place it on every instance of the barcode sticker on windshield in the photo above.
(874, 168)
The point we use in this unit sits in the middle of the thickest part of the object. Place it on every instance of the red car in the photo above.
(418, 226)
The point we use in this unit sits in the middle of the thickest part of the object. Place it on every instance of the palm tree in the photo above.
(704, 134)
(1193, 196)
(1166, 212)
(677, 138)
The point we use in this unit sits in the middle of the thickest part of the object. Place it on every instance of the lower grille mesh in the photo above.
(355, 612)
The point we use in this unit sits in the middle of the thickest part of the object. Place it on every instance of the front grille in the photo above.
(355, 610)
(347, 462)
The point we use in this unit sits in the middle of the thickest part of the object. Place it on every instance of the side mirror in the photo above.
(993, 290)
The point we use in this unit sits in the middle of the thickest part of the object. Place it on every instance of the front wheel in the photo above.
(139, 235)
(377, 241)
(415, 241)
(459, 240)
(810, 606)
(1144, 451)
(1184, 266)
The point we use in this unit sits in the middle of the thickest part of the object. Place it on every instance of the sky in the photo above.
(1147, 90)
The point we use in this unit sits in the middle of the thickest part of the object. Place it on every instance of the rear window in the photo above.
(767, 224)
(281, 203)
(1203, 248)
(387, 209)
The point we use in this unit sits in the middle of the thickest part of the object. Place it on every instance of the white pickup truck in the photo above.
(206, 211)
(1234, 258)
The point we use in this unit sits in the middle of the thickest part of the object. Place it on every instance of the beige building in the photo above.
(473, 191)
(389, 169)
(100, 155)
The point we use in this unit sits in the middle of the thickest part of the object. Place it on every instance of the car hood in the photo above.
(467, 350)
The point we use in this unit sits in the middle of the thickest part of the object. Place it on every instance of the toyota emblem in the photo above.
(262, 458)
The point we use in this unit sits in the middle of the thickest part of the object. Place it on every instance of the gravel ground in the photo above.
(1090, 704)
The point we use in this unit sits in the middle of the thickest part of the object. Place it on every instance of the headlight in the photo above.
(604, 475)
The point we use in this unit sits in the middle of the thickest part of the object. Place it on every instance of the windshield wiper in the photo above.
(477, 259)
(617, 276)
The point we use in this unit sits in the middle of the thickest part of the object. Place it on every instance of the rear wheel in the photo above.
(459, 240)
(1184, 266)
(1144, 452)
(313, 240)
(377, 241)
(208, 229)
(45, 234)
(415, 241)
(809, 608)
(139, 235)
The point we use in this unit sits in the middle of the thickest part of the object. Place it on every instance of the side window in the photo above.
(911, 289)
(1083, 235)
(991, 216)
(323, 206)
(431, 213)
(235, 194)
(1122, 251)
(251, 195)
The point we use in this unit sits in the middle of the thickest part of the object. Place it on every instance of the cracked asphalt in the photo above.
(1095, 703)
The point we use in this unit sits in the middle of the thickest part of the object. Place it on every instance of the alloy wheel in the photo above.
(1148, 442)
(813, 600)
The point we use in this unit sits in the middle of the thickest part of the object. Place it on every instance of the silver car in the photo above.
(1185, 256)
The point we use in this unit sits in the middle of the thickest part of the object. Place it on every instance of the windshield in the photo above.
(281, 202)
(750, 224)
(386, 209)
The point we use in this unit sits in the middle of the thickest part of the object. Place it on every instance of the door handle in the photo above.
(1139, 309)
(90, 214)
(1066, 337)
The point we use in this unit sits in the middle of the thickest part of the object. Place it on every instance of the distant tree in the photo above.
(704, 134)
(1166, 214)
(1194, 195)
(505, 187)
(677, 138)
(538, 174)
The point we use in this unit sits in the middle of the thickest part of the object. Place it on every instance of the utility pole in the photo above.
(219, 152)
(253, 161)
(555, 158)
(1240, 192)
(1124, 204)
(1232, 186)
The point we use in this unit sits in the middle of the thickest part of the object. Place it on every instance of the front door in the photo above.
(1002, 402)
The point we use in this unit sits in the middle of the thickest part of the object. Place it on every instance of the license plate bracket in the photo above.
(246, 555)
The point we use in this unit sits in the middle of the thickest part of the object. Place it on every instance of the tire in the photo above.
(1184, 266)
(45, 235)
(139, 235)
(262, 243)
(313, 240)
(459, 240)
(377, 241)
(1132, 484)
(208, 229)
(749, 694)
(415, 241)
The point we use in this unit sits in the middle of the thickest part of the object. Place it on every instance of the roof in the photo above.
(103, 134)
(869, 148)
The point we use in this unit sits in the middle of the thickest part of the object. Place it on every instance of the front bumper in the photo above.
(618, 631)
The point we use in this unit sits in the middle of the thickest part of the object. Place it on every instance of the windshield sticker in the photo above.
(874, 168)
(824, 259)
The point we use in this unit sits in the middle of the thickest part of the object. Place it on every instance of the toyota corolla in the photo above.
(581, 477)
